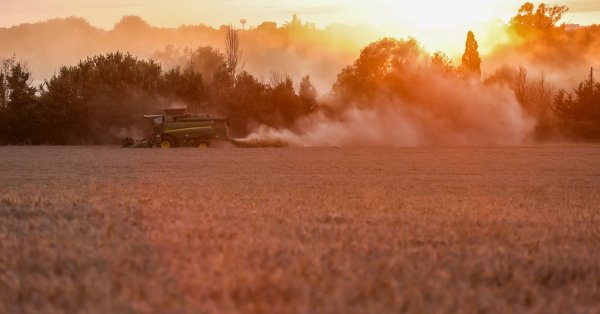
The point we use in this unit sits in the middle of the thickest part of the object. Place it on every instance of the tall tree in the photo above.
(471, 62)
(233, 53)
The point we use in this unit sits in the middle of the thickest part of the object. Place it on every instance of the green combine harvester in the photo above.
(177, 128)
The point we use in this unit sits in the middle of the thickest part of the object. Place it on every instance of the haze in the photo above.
(439, 25)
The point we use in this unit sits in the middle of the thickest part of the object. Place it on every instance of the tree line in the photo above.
(103, 97)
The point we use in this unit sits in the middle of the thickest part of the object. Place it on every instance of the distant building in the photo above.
(572, 27)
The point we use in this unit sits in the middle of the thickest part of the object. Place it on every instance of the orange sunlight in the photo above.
(442, 25)
(438, 25)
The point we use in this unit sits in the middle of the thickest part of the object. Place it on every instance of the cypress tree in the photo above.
(471, 62)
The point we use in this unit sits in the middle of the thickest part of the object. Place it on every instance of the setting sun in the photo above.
(442, 25)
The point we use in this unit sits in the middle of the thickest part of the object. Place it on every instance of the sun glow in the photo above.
(436, 24)
(442, 25)
(439, 15)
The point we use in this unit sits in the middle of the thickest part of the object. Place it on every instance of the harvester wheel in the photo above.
(166, 143)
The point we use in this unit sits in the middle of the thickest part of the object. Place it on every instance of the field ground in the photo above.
(111, 230)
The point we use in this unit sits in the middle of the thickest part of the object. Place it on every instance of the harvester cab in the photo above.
(157, 122)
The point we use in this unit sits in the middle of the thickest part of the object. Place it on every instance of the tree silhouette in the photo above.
(206, 61)
(187, 86)
(247, 104)
(581, 112)
(543, 19)
(442, 62)
(92, 101)
(294, 24)
(380, 66)
(471, 62)
(3, 91)
(17, 124)
(233, 52)
(308, 94)
(285, 102)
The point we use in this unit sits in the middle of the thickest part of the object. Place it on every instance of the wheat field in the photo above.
(290, 230)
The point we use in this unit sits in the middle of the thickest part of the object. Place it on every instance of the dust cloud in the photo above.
(564, 55)
(447, 111)
(443, 110)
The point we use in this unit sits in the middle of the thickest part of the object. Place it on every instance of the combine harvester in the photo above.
(176, 128)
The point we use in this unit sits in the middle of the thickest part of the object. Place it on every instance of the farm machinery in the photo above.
(177, 128)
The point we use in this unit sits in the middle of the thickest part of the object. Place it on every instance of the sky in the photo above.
(438, 24)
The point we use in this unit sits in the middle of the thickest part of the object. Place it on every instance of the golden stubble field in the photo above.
(422, 230)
